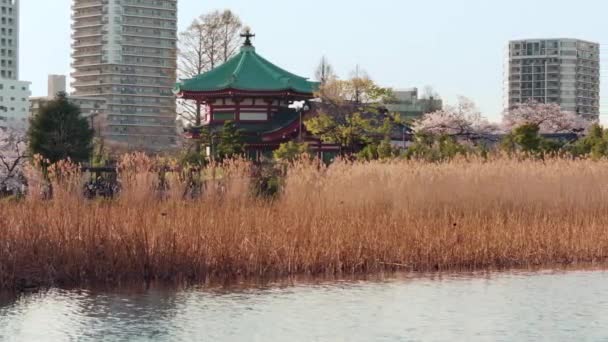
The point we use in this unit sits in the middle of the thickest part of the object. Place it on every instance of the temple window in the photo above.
(252, 116)
(223, 116)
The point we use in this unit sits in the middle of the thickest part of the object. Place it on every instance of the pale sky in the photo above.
(456, 46)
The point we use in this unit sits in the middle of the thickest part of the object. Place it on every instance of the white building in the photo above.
(9, 39)
(409, 104)
(56, 84)
(563, 71)
(124, 51)
(14, 94)
(14, 103)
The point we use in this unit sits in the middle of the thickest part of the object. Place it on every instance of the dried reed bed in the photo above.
(345, 219)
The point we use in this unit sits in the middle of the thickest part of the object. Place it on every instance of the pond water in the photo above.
(549, 306)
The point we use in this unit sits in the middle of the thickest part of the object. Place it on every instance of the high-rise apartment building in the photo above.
(563, 71)
(14, 94)
(125, 52)
(9, 39)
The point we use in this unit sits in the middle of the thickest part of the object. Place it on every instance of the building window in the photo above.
(223, 116)
(253, 117)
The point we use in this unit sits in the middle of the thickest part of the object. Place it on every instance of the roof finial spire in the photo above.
(247, 35)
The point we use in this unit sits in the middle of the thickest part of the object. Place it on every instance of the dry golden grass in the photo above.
(341, 220)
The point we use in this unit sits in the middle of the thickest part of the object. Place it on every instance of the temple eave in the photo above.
(201, 95)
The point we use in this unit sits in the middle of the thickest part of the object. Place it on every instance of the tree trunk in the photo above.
(198, 123)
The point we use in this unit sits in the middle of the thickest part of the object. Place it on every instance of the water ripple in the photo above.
(553, 306)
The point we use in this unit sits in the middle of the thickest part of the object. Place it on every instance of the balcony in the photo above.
(136, 14)
(132, 93)
(133, 103)
(81, 35)
(162, 25)
(84, 4)
(131, 43)
(169, 6)
(79, 45)
(141, 124)
(85, 73)
(86, 84)
(86, 64)
(86, 25)
(146, 55)
(86, 15)
(85, 54)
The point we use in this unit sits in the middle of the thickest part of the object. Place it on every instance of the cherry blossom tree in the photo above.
(13, 156)
(464, 119)
(549, 117)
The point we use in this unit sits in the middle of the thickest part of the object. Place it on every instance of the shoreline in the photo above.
(243, 284)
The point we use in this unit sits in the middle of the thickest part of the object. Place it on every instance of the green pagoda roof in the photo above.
(247, 71)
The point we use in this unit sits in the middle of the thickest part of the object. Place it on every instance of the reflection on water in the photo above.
(551, 306)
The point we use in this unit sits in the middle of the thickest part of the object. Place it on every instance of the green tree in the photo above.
(59, 131)
(192, 157)
(423, 147)
(380, 150)
(231, 142)
(351, 131)
(369, 152)
(435, 148)
(526, 139)
(450, 148)
(101, 155)
(551, 146)
(291, 151)
(195, 151)
(594, 144)
(386, 150)
(351, 113)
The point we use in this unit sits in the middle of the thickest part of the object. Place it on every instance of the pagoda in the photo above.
(258, 97)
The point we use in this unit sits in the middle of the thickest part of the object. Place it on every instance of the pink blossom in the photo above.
(550, 118)
(462, 119)
(13, 154)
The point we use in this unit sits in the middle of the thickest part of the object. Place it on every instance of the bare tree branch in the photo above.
(210, 40)
(325, 71)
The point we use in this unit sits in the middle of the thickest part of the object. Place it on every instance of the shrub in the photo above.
(594, 144)
(436, 148)
(267, 179)
(527, 140)
(291, 151)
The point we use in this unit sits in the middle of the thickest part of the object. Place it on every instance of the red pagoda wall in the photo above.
(224, 109)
